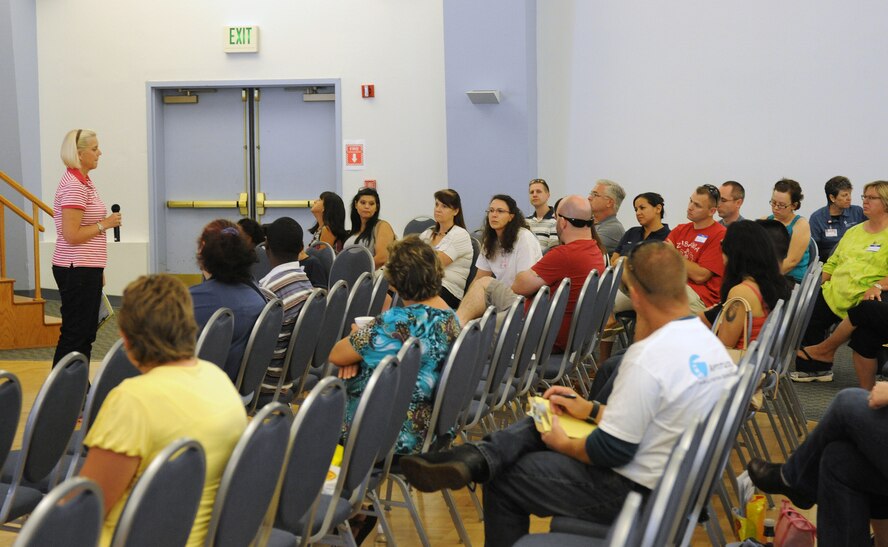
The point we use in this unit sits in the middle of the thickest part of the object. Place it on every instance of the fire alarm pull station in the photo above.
(368, 91)
(369, 183)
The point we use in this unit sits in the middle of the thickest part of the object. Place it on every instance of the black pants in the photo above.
(81, 293)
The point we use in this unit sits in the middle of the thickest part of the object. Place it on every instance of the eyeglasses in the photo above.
(726, 200)
(497, 211)
(865, 197)
(577, 222)
(778, 205)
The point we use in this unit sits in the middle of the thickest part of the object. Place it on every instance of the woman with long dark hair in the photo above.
(367, 228)
(225, 256)
(452, 244)
(329, 213)
(507, 245)
(752, 272)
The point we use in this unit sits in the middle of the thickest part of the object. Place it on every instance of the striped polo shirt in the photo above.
(76, 191)
(290, 284)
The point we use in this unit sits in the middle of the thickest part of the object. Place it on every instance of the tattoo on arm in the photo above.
(731, 313)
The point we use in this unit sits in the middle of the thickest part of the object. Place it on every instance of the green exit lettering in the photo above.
(239, 35)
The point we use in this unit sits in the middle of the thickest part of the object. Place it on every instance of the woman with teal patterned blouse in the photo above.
(414, 271)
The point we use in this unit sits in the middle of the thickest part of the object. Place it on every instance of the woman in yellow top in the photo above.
(176, 396)
(856, 272)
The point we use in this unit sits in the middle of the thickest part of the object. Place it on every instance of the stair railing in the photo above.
(33, 220)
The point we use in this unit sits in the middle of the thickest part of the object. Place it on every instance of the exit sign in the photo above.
(241, 39)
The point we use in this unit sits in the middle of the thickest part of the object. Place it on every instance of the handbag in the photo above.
(793, 529)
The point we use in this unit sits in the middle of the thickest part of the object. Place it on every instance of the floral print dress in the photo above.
(436, 330)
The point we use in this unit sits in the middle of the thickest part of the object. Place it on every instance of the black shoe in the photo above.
(766, 476)
(451, 469)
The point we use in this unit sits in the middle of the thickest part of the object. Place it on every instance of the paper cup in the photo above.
(363, 320)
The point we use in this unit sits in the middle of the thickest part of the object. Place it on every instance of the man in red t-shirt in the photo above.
(577, 255)
(699, 242)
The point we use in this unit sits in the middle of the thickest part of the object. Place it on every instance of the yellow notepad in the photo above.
(542, 417)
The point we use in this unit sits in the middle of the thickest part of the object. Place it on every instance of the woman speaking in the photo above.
(80, 254)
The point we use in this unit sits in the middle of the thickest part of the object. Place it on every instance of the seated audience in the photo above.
(367, 228)
(605, 200)
(415, 273)
(751, 273)
(329, 213)
(655, 399)
(699, 242)
(841, 467)
(578, 255)
(542, 221)
(866, 326)
(785, 201)
(452, 244)
(176, 395)
(732, 196)
(225, 256)
(289, 283)
(507, 246)
(649, 211)
(856, 272)
(830, 222)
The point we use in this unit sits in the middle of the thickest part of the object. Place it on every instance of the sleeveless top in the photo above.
(799, 271)
(757, 322)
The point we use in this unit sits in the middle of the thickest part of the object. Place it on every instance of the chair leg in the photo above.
(457, 519)
(411, 507)
(478, 509)
(383, 520)
(713, 528)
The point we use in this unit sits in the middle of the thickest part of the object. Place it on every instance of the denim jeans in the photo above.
(843, 465)
(527, 478)
(81, 292)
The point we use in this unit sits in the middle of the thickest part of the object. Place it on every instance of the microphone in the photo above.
(116, 209)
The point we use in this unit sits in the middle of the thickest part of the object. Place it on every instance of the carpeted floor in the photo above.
(815, 397)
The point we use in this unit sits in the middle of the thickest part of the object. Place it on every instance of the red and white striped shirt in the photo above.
(76, 191)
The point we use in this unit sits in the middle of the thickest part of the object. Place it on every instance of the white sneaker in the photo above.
(803, 377)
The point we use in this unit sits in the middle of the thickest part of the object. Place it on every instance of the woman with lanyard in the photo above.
(453, 245)
(78, 262)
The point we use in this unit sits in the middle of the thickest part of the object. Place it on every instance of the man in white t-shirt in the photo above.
(675, 372)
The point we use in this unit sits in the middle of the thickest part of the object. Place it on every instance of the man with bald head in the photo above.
(574, 258)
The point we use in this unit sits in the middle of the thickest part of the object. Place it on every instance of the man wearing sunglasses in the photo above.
(673, 373)
(699, 242)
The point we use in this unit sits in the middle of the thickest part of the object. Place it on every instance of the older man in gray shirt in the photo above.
(605, 199)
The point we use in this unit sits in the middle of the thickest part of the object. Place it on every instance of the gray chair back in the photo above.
(408, 364)
(337, 303)
(324, 253)
(260, 348)
(473, 269)
(215, 338)
(303, 341)
(553, 322)
(362, 447)
(454, 383)
(380, 290)
(262, 266)
(813, 252)
(250, 478)
(580, 333)
(475, 369)
(313, 439)
(531, 334)
(418, 225)
(164, 501)
(503, 360)
(10, 411)
(71, 514)
(358, 301)
(350, 264)
(115, 368)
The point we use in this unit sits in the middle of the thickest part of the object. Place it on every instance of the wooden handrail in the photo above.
(33, 220)
(23, 191)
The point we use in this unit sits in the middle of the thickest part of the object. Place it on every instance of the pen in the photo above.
(566, 395)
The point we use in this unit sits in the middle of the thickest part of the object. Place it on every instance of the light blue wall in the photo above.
(491, 148)
(19, 137)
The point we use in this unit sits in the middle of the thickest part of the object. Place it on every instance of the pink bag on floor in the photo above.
(793, 529)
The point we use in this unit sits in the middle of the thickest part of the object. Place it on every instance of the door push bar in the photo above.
(241, 204)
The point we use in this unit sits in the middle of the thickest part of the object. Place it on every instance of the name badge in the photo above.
(831, 232)
(874, 248)
(701, 238)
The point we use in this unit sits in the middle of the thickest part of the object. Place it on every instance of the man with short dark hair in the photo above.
(731, 199)
(289, 282)
(829, 223)
(542, 221)
(673, 373)
(605, 199)
(699, 242)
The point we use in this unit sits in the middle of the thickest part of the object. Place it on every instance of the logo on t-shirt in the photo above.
(699, 368)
